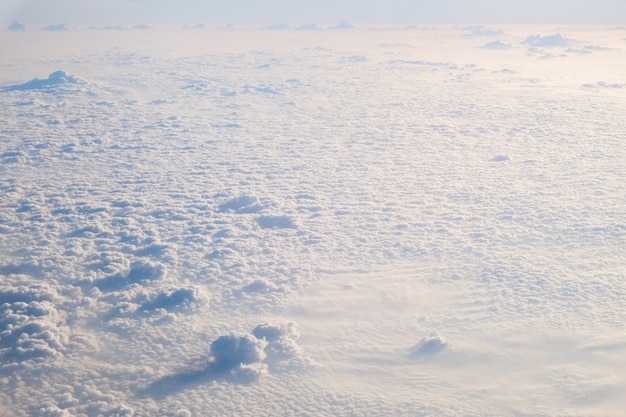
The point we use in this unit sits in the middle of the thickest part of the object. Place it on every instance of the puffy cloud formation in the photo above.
(240, 354)
(479, 30)
(238, 357)
(283, 351)
(241, 204)
(276, 333)
(495, 45)
(17, 26)
(57, 78)
(175, 299)
(237, 348)
(545, 41)
(112, 200)
(276, 222)
(140, 271)
(428, 347)
(61, 27)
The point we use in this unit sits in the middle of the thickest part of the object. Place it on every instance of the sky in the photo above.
(321, 11)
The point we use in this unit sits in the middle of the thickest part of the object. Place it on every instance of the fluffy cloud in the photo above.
(61, 27)
(175, 299)
(546, 41)
(428, 347)
(28, 324)
(56, 79)
(17, 26)
(129, 211)
(140, 272)
(236, 349)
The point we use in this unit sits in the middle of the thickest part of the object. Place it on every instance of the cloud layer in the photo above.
(434, 214)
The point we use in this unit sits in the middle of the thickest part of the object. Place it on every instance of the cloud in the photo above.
(500, 158)
(241, 205)
(428, 347)
(496, 45)
(61, 27)
(197, 26)
(56, 79)
(28, 324)
(175, 299)
(603, 85)
(115, 208)
(546, 41)
(236, 349)
(282, 347)
(235, 357)
(17, 26)
(480, 30)
(276, 222)
(139, 272)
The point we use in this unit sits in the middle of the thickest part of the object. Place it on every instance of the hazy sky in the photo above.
(309, 11)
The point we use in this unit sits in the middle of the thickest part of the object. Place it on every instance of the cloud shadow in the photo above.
(189, 379)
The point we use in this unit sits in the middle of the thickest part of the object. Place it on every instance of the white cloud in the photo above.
(236, 349)
(428, 347)
(380, 197)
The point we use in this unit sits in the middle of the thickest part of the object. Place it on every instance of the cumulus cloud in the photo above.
(546, 41)
(28, 324)
(61, 27)
(140, 271)
(17, 26)
(241, 204)
(343, 25)
(276, 222)
(175, 299)
(479, 30)
(56, 79)
(235, 349)
(282, 346)
(495, 45)
(428, 347)
(500, 158)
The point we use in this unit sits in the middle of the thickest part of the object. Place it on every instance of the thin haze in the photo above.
(300, 11)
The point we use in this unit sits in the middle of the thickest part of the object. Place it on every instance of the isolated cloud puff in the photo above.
(479, 30)
(57, 78)
(17, 26)
(545, 41)
(276, 222)
(500, 158)
(61, 27)
(140, 272)
(282, 350)
(428, 347)
(278, 26)
(342, 26)
(175, 299)
(235, 349)
(495, 45)
(273, 333)
(241, 205)
(198, 26)
(240, 354)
